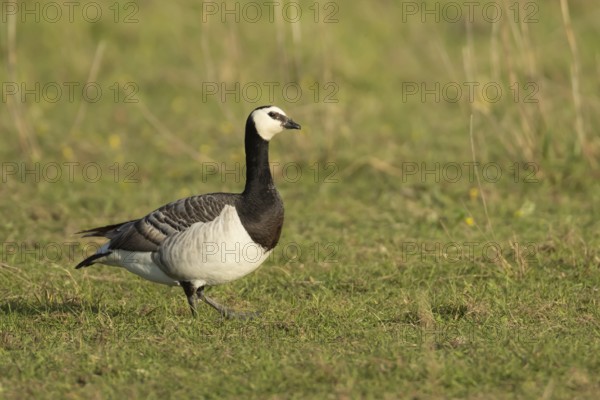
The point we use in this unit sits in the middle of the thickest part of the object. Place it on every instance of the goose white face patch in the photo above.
(266, 125)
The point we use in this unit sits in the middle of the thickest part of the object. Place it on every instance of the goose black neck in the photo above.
(258, 173)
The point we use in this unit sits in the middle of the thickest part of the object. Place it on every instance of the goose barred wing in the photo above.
(147, 234)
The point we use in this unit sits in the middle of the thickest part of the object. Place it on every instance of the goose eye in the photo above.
(272, 114)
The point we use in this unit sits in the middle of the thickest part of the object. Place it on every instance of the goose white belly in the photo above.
(139, 263)
(212, 252)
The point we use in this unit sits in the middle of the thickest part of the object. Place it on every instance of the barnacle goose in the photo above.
(208, 239)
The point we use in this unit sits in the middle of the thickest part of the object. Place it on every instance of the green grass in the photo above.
(380, 287)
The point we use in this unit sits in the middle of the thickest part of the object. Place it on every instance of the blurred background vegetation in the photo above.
(363, 71)
(361, 59)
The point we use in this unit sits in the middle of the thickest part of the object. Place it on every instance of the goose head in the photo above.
(271, 120)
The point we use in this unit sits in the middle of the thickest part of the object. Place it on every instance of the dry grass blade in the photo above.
(482, 194)
(575, 83)
(93, 74)
(27, 140)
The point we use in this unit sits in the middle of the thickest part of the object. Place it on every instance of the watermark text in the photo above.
(53, 12)
(452, 12)
(269, 11)
(254, 92)
(68, 171)
(69, 92)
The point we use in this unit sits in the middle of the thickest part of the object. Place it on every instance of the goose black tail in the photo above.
(103, 231)
(90, 260)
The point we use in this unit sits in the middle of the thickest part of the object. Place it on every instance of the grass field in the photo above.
(442, 201)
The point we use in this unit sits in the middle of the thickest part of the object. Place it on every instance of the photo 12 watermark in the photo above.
(69, 92)
(457, 334)
(452, 12)
(289, 252)
(470, 172)
(291, 172)
(467, 251)
(469, 92)
(53, 12)
(253, 12)
(68, 171)
(270, 92)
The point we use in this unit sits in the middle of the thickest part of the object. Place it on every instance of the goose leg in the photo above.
(190, 293)
(224, 311)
